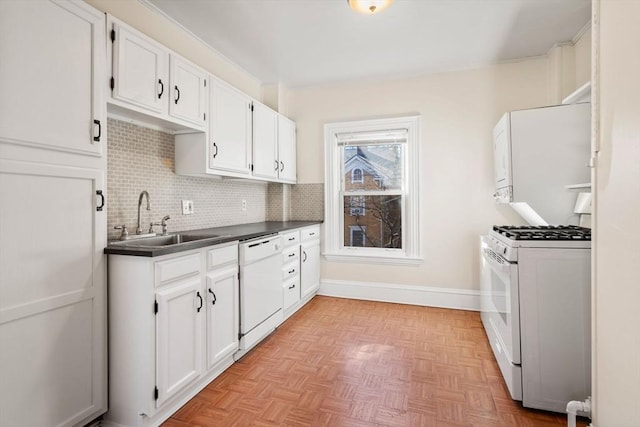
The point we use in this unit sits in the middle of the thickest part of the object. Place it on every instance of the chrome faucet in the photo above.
(163, 223)
(144, 193)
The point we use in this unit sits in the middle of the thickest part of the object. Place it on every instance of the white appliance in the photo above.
(537, 153)
(535, 308)
(260, 289)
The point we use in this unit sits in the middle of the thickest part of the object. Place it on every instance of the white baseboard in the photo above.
(461, 299)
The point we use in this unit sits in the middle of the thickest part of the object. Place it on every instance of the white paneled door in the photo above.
(52, 294)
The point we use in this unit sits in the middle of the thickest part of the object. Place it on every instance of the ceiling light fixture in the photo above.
(369, 7)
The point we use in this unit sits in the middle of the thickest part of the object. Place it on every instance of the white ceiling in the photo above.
(309, 42)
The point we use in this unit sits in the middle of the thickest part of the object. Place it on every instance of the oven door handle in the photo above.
(502, 268)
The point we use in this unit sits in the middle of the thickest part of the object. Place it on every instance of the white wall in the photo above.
(458, 111)
(616, 311)
(159, 28)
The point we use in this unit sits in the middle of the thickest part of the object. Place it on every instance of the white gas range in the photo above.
(535, 303)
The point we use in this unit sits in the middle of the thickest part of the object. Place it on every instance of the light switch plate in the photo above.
(187, 207)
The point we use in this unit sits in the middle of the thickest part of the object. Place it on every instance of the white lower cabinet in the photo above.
(173, 328)
(290, 272)
(222, 340)
(178, 337)
(310, 262)
(300, 267)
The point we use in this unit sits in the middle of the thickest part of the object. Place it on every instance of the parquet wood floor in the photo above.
(341, 362)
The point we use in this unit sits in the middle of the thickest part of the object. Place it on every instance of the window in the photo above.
(356, 205)
(357, 235)
(371, 187)
(356, 175)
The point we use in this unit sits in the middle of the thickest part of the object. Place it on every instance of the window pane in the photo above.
(373, 167)
(377, 218)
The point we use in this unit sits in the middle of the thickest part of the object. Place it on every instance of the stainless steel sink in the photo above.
(159, 241)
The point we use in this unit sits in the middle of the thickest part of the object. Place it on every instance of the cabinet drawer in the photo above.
(290, 270)
(290, 238)
(290, 254)
(291, 292)
(217, 257)
(310, 233)
(176, 268)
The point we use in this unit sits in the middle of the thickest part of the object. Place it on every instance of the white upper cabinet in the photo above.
(152, 84)
(52, 52)
(286, 149)
(265, 142)
(188, 91)
(229, 129)
(140, 70)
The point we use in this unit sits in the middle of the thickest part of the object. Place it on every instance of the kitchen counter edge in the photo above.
(240, 232)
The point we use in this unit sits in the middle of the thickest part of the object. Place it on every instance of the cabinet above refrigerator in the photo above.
(537, 153)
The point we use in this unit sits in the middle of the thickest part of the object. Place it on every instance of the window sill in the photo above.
(373, 259)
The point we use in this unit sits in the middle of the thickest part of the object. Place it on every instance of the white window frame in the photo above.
(335, 250)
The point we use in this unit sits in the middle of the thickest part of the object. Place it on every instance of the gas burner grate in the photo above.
(543, 232)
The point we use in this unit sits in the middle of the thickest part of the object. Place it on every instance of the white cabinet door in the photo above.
(51, 71)
(265, 140)
(140, 70)
(52, 295)
(230, 129)
(178, 337)
(287, 149)
(188, 90)
(310, 267)
(222, 314)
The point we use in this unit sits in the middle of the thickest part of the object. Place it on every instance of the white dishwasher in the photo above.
(260, 289)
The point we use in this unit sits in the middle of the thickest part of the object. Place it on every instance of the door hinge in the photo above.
(113, 35)
(112, 83)
(238, 275)
(155, 307)
(204, 116)
(155, 393)
(205, 83)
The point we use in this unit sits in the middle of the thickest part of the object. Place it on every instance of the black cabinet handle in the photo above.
(201, 302)
(99, 194)
(293, 270)
(161, 88)
(214, 297)
(216, 147)
(292, 286)
(97, 138)
(178, 92)
(276, 168)
(290, 255)
(304, 254)
(281, 166)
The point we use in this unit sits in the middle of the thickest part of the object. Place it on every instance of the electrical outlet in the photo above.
(244, 205)
(187, 207)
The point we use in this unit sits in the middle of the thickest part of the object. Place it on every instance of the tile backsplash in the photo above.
(143, 159)
(298, 202)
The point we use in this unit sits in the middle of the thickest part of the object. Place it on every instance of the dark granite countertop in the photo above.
(225, 234)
